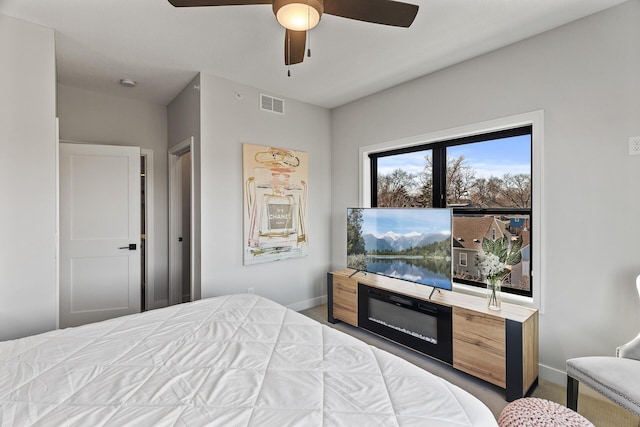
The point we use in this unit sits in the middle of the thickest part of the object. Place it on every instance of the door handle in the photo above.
(131, 247)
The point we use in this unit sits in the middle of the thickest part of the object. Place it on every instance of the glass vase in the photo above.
(493, 294)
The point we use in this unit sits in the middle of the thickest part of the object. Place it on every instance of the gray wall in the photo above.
(184, 114)
(28, 271)
(92, 117)
(585, 77)
(227, 122)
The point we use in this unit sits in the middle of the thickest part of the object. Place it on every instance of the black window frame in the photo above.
(439, 164)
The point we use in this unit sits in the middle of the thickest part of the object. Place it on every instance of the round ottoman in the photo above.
(535, 412)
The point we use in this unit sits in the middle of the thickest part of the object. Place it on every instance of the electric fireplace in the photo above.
(421, 325)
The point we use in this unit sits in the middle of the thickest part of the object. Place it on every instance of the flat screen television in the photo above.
(411, 244)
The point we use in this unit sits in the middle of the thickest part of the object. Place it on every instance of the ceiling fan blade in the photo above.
(189, 3)
(294, 43)
(384, 12)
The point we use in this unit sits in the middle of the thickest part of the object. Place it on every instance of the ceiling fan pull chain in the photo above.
(289, 54)
(308, 31)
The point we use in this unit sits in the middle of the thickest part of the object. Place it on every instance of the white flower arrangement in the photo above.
(491, 267)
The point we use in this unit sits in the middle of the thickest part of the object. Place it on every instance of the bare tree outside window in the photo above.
(460, 180)
(397, 189)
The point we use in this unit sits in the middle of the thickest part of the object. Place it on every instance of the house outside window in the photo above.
(485, 178)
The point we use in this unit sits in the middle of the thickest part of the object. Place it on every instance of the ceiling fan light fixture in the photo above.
(298, 15)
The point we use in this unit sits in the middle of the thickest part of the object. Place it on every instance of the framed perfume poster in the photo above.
(275, 203)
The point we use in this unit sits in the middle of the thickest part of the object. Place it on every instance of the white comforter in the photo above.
(238, 360)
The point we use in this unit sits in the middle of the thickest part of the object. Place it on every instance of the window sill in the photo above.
(509, 298)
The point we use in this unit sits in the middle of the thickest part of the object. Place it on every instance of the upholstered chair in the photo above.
(617, 378)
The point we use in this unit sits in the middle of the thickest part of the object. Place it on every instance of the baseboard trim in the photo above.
(558, 377)
(306, 304)
(552, 375)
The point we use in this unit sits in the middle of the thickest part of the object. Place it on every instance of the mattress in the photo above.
(239, 360)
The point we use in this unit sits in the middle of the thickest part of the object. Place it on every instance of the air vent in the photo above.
(269, 103)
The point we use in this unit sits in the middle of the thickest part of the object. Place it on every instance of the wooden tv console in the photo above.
(500, 347)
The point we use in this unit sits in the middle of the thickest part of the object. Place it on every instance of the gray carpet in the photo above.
(600, 412)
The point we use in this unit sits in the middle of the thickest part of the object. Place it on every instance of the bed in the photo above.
(238, 360)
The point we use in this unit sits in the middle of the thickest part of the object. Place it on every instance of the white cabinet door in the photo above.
(99, 232)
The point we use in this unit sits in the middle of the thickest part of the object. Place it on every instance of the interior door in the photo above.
(182, 287)
(99, 232)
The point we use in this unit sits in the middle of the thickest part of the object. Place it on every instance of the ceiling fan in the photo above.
(299, 16)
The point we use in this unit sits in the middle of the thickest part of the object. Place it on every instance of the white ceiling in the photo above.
(98, 42)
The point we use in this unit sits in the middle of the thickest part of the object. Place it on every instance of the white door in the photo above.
(99, 232)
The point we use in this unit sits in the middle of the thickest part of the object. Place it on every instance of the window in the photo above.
(463, 259)
(485, 177)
